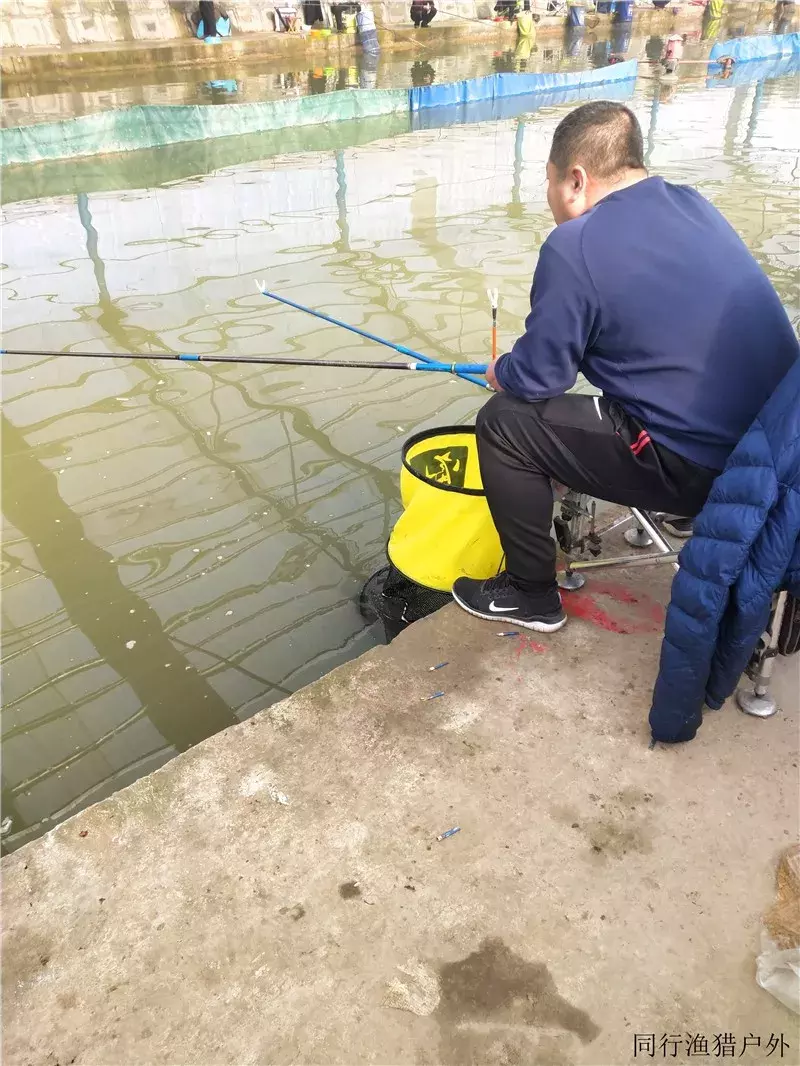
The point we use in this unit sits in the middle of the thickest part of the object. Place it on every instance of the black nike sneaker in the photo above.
(678, 527)
(498, 600)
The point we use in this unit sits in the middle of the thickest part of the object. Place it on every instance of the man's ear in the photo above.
(579, 180)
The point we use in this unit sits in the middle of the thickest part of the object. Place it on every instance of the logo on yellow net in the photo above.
(443, 467)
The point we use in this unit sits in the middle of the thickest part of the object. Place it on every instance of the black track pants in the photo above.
(587, 443)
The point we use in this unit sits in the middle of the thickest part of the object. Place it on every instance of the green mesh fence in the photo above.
(146, 126)
(173, 162)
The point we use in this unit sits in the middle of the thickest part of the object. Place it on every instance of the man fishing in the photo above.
(647, 291)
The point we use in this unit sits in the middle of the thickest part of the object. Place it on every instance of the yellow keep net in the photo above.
(445, 530)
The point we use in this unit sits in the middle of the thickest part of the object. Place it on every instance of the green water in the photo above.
(185, 545)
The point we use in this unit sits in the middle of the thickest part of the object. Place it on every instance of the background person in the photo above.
(621, 294)
(210, 21)
(342, 10)
(526, 24)
(507, 9)
(423, 12)
(367, 33)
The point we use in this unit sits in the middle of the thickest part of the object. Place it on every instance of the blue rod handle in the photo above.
(401, 348)
(461, 369)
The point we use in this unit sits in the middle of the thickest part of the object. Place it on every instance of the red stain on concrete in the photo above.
(528, 644)
(639, 613)
(583, 605)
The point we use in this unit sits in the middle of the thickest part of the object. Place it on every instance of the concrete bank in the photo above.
(79, 57)
(278, 894)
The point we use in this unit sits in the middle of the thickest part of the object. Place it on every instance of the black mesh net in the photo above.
(392, 600)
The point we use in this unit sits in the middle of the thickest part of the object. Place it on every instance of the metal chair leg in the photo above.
(570, 580)
(637, 538)
(759, 701)
(578, 539)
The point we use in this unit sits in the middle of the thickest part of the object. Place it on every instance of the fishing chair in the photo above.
(578, 537)
(581, 543)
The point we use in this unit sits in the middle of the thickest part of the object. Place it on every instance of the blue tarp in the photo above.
(769, 46)
(497, 86)
(512, 106)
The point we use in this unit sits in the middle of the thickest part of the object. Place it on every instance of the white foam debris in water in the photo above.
(62, 470)
(227, 613)
(400, 429)
(196, 551)
(168, 665)
(219, 558)
(130, 644)
(132, 610)
(208, 432)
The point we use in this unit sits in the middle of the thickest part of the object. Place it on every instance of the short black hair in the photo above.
(605, 138)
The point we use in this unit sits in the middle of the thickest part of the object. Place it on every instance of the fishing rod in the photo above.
(468, 374)
(467, 18)
(265, 360)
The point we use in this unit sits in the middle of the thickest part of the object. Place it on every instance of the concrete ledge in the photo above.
(44, 62)
(68, 57)
(597, 889)
(101, 58)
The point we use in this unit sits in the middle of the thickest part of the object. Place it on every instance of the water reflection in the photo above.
(220, 91)
(184, 545)
(222, 82)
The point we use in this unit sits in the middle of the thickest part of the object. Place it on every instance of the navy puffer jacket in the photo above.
(746, 545)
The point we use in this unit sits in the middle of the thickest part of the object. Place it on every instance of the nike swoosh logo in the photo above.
(501, 610)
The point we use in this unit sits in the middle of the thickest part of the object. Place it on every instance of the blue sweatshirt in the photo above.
(653, 297)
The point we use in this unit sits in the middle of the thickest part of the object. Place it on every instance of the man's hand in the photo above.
(492, 378)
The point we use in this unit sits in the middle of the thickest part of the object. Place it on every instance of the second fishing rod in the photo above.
(472, 372)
